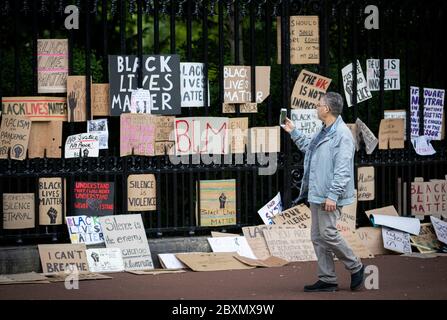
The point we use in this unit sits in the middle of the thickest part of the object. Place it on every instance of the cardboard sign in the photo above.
(170, 261)
(140, 101)
(76, 98)
(161, 76)
(126, 231)
(363, 92)
(365, 184)
(192, 81)
(238, 134)
(14, 137)
(308, 90)
(395, 240)
(18, 211)
(392, 131)
(85, 145)
(365, 134)
(50, 201)
(232, 244)
(100, 128)
(256, 240)
(273, 207)
(217, 202)
(93, 198)
(201, 135)
(164, 135)
(217, 261)
(426, 241)
(264, 139)
(429, 198)
(100, 99)
(391, 74)
(141, 192)
(62, 277)
(397, 114)
(440, 229)
(304, 40)
(137, 133)
(84, 229)
(243, 107)
(105, 260)
(21, 278)
(155, 271)
(57, 258)
(299, 216)
(45, 139)
(269, 262)
(237, 84)
(216, 234)
(372, 239)
(360, 250)
(36, 108)
(306, 121)
(290, 243)
(52, 65)
(433, 112)
(389, 211)
(348, 217)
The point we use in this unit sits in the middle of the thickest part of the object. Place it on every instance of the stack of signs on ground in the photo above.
(215, 261)
(440, 229)
(395, 229)
(429, 198)
(21, 278)
(426, 241)
(232, 244)
(127, 233)
(105, 260)
(217, 203)
(272, 208)
(170, 261)
(84, 229)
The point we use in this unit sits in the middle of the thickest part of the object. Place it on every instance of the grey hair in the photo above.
(334, 102)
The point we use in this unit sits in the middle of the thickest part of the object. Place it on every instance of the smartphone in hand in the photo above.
(282, 117)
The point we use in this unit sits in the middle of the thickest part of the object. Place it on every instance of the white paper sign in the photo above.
(367, 136)
(391, 77)
(170, 261)
(140, 101)
(272, 208)
(440, 229)
(84, 229)
(232, 244)
(306, 121)
(105, 260)
(410, 225)
(82, 145)
(422, 146)
(363, 92)
(100, 128)
(126, 231)
(396, 240)
(192, 84)
(433, 112)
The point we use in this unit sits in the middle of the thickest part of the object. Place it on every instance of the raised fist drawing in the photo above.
(95, 256)
(52, 213)
(72, 102)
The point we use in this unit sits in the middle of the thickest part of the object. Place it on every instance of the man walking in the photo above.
(328, 185)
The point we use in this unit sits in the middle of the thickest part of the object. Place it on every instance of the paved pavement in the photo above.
(399, 278)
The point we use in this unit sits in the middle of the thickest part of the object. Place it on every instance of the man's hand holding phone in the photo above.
(288, 125)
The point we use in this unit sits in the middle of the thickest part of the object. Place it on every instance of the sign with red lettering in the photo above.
(93, 198)
(52, 65)
(36, 108)
(201, 135)
(308, 90)
(429, 198)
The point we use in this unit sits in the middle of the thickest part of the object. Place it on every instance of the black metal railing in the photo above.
(218, 33)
